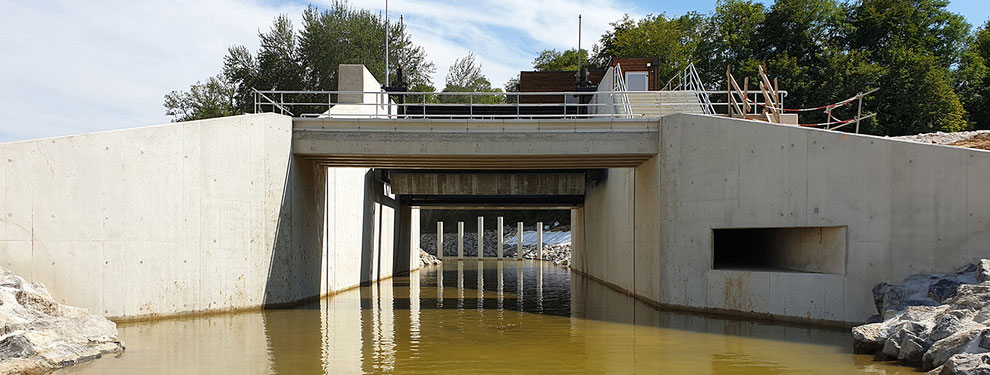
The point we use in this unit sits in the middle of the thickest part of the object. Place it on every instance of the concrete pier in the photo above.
(460, 240)
(481, 237)
(501, 239)
(539, 240)
(439, 240)
(519, 238)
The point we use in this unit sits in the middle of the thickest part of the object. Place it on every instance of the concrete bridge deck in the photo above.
(477, 144)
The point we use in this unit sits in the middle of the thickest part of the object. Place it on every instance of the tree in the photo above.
(308, 59)
(465, 75)
(918, 42)
(729, 39)
(552, 60)
(673, 41)
(214, 98)
(972, 79)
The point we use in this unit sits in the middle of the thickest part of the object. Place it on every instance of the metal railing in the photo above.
(714, 108)
(453, 105)
(689, 80)
(619, 90)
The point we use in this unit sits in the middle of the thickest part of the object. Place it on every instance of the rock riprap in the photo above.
(938, 321)
(39, 335)
(428, 259)
(559, 254)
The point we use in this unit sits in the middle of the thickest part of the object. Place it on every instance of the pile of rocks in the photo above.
(940, 322)
(559, 254)
(428, 259)
(942, 138)
(38, 335)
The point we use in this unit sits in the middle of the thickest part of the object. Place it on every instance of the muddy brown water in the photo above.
(480, 322)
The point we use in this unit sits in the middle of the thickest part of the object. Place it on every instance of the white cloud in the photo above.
(505, 34)
(69, 67)
(72, 67)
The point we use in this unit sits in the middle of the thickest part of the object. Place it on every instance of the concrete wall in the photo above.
(906, 207)
(609, 229)
(204, 215)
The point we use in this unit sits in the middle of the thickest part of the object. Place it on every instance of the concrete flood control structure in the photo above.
(692, 211)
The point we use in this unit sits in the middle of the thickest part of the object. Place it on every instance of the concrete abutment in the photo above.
(224, 214)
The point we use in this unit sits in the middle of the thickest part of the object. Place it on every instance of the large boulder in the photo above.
(37, 334)
(925, 289)
(964, 341)
(940, 322)
(967, 364)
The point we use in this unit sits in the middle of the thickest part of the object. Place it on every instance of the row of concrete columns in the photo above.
(481, 239)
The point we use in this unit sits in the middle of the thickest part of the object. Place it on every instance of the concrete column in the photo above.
(460, 240)
(440, 240)
(539, 240)
(519, 235)
(481, 236)
(500, 233)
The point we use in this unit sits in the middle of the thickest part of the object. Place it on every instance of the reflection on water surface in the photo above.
(506, 318)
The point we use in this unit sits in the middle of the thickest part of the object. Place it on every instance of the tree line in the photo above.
(929, 63)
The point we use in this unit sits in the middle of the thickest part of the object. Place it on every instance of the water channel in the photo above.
(480, 317)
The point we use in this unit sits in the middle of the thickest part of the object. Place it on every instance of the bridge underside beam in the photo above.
(482, 162)
(477, 201)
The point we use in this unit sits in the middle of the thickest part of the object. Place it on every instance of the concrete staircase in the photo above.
(648, 103)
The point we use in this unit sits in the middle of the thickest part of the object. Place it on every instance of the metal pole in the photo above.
(386, 43)
(859, 112)
(579, 44)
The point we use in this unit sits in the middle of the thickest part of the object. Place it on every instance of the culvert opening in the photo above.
(791, 249)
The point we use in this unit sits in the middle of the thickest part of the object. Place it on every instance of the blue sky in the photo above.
(70, 67)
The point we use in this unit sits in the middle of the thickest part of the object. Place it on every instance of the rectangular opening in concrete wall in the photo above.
(795, 249)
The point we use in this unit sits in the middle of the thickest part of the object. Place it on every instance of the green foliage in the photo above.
(215, 98)
(931, 72)
(972, 79)
(308, 59)
(674, 41)
(465, 76)
(551, 60)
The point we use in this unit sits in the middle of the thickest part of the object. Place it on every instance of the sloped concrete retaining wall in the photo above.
(907, 208)
(180, 218)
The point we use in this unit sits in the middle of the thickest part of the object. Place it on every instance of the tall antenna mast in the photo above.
(579, 44)
(386, 43)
